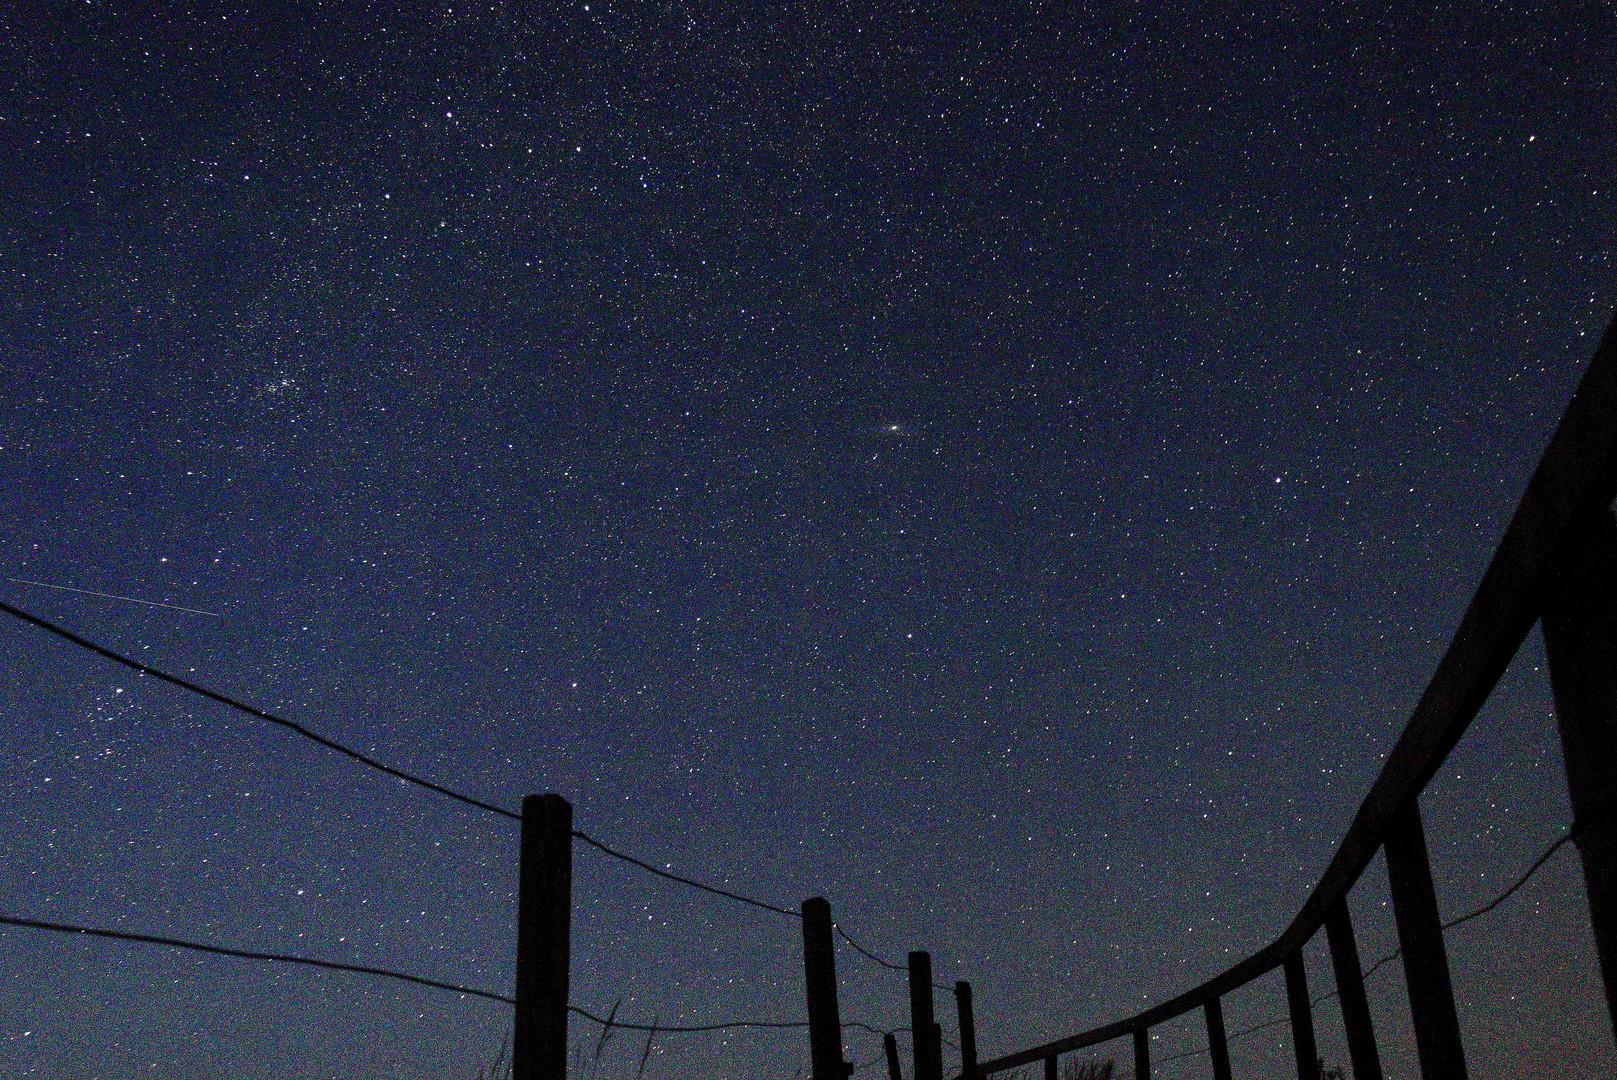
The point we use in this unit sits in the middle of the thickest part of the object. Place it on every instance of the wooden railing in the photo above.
(1557, 564)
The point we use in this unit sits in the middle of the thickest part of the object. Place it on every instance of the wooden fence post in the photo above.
(1426, 961)
(544, 930)
(923, 1028)
(889, 1043)
(820, 978)
(1142, 1054)
(1302, 1018)
(1361, 1034)
(1051, 1072)
(968, 1030)
(1218, 1044)
(1580, 636)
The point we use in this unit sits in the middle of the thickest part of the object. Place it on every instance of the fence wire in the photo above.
(1523, 879)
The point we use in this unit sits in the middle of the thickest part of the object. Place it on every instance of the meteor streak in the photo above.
(115, 596)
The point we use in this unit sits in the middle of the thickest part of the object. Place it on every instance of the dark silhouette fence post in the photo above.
(544, 930)
(968, 1030)
(889, 1043)
(1050, 1071)
(1426, 962)
(1142, 1054)
(923, 1028)
(1302, 1018)
(1361, 1035)
(1218, 1044)
(820, 979)
(1580, 636)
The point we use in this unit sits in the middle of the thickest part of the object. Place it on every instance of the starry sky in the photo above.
(1009, 469)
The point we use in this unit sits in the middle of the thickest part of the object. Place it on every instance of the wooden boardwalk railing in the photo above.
(1557, 563)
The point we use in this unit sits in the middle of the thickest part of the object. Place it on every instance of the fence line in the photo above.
(388, 973)
(1461, 920)
(715, 890)
(866, 953)
(393, 771)
(245, 954)
(224, 699)
(523, 1056)
(1555, 565)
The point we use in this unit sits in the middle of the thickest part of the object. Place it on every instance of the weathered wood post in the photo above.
(1302, 1018)
(889, 1043)
(544, 931)
(923, 1028)
(820, 979)
(1218, 1044)
(1361, 1034)
(1426, 961)
(1580, 636)
(1142, 1054)
(968, 1030)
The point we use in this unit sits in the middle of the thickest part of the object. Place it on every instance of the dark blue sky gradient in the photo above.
(1011, 473)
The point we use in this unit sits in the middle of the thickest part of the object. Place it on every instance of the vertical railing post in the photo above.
(889, 1043)
(1050, 1070)
(1302, 1018)
(820, 980)
(968, 1029)
(1426, 961)
(1361, 1034)
(923, 1028)
(1218, 1044)
(1142, 1054)
(1580, 637)
(544, 930)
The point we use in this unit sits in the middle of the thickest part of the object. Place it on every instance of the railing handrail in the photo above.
(1575, 481)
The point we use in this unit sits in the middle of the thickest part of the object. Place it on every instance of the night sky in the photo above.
(1010, 471)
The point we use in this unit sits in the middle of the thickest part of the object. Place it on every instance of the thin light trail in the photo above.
(115, 596)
